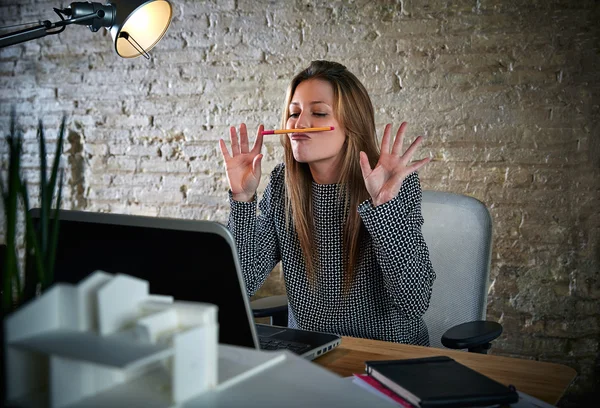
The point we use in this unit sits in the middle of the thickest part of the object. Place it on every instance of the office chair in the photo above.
(458, 232)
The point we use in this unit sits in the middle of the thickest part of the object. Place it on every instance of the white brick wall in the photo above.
(505, 93)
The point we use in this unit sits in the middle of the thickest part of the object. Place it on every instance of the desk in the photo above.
(545, 381)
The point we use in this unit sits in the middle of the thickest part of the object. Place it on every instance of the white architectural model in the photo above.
(107, 341)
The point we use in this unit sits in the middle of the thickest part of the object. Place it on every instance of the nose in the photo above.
(301, 122)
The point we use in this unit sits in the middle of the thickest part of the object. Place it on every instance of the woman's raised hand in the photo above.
(384, 181)
(243, 165)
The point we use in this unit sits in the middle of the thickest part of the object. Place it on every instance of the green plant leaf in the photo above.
(57, 155)
(11, 274)
(33, 244)
(45, 195)
(54, 237)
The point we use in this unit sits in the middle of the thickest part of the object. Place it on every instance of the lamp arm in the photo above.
(41, 30)
(27, 34)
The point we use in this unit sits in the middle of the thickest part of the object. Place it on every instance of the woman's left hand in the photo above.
(384, 181)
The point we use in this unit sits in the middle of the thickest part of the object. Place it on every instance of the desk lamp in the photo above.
(136, 26)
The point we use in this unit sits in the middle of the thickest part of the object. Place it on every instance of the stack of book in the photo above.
(434, 382)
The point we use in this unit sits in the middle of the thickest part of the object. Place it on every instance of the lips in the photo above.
(299, 136)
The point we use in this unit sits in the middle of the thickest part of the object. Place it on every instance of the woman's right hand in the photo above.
(243, 165)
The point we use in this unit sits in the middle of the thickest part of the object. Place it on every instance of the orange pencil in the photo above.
(281, 131)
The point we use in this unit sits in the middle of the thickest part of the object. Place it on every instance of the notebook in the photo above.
(191, 260)
(439, 381)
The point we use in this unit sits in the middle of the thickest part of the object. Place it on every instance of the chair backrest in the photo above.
(458, 232)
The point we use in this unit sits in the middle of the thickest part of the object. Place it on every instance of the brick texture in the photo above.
(505, 92)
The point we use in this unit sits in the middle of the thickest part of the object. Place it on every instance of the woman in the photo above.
(343, 218)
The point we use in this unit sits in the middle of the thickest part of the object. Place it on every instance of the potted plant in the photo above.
(18, 288)
(41, 240)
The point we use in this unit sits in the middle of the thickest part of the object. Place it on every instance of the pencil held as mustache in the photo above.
(307, 130)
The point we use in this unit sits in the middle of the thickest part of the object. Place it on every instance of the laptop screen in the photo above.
(190, 260)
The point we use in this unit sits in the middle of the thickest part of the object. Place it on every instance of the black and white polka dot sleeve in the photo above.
(255, 237)
(401, 251)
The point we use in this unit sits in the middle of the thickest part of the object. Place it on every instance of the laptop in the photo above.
(190, 260)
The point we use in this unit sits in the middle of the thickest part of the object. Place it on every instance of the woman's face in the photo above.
(312, 106)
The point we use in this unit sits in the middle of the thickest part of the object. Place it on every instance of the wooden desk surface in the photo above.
(546, 381)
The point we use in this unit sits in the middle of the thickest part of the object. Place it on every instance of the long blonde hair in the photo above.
(354, 111)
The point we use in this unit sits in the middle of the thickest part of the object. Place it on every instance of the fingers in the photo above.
(241, 145)
(235, 147)
(224, 151)
(398, 177)
(418, 164)
(244, 139)
(385, 141)
(365, 167)
(412, 148)
(256, 148)
(256, 165)
(399, 141)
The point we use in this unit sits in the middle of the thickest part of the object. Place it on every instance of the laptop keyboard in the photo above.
(267, 343)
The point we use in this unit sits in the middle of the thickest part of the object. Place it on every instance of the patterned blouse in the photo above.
(393, 279)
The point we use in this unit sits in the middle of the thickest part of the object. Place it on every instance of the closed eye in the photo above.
(318, 114)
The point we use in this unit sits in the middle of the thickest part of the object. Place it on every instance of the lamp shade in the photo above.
(139, 25)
